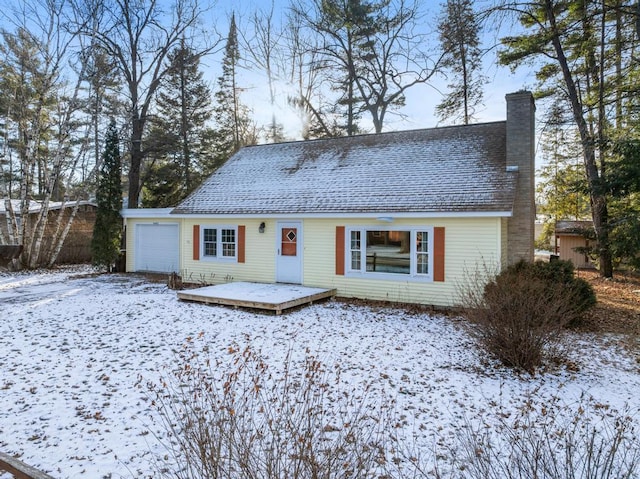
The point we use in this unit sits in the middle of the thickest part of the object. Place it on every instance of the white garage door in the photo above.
(157, 248)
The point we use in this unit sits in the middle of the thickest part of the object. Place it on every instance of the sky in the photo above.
(421, 100)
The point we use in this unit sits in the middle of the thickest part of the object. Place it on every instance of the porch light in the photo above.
(261, 227)
(387, 219)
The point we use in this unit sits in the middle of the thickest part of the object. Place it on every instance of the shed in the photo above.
(572, 239)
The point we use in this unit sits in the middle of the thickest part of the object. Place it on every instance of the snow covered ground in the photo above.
(73, 349)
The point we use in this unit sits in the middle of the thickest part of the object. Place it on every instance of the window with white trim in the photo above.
(355, 249)
(219, 242)
(401, 252)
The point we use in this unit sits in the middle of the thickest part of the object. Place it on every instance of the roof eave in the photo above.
(376, 215)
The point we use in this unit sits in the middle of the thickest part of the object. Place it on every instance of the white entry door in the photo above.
(289, 252)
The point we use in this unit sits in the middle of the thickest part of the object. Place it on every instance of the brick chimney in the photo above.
(521, 158)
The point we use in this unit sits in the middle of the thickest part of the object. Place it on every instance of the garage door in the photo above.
(157, 248)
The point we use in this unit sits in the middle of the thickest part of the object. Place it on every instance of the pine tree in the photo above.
(233, 126)
(105, 244)
(459, 30)
(370, 51)
(177, 141)
(588, 49)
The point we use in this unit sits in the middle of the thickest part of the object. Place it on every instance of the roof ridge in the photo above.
(370, 135)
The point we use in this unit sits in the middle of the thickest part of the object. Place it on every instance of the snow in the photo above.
(35, 206)
(271, 294)
(74, 349)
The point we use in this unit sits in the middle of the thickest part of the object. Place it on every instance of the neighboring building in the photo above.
(77, 245)
(571, 237)
(401, 216)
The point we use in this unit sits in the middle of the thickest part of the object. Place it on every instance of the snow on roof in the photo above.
(145, 212)
(450, 169)
(34, 206)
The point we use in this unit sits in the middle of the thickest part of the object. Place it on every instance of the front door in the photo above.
(289, 252)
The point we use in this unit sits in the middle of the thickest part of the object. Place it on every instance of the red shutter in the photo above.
(340, 250)
(241, 242)
(196, 242)
(438, 254)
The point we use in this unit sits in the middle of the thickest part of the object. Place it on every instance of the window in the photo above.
(228, 243)
(219, 242)
(422, 252)
(381, 253)
(210, 242)
(355, 250)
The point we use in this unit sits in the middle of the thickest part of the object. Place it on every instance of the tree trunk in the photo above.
(58, 239)
(38, 233)
(136, 161)
(598, 199)
(184, 128)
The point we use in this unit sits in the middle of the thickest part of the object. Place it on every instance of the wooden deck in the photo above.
(19, 469)
(276, 297)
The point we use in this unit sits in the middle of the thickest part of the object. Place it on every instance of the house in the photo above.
(77, 245)
(572, 240)
(400, 216)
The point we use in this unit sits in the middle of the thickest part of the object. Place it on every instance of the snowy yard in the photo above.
(73, 350)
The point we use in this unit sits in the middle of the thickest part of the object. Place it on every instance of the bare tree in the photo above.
(304, 73)
(264, 43)
(304, 68)
(374, 52)
(43, 107)
(138, 36)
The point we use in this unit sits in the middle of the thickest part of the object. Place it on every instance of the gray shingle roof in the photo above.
(574, 227)
(450, 169)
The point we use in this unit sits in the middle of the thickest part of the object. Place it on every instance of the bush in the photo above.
(549, 440)
(557, 275)
(242, 420)
(519, 315)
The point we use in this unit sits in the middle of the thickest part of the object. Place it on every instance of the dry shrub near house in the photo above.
(519, 315)
(551, 440)
(240, 419)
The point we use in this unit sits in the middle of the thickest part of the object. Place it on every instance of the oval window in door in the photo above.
(289, 241)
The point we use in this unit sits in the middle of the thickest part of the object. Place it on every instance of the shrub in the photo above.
(550, 440)
(557, 275)
(242, 420)
(519, 314)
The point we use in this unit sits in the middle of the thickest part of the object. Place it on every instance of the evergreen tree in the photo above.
(234, 129)
(459, 30)
(562, 188)
(178, 140)
(587, 47)
(105, 244)
(350, 24)
(103, 79)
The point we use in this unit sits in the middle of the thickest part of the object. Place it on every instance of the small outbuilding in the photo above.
(572, 242)
(400, 216)
(77, 244)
